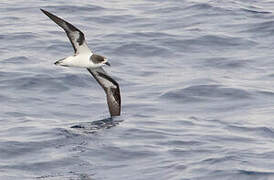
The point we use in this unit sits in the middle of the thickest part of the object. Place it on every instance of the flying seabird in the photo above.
(83, 57)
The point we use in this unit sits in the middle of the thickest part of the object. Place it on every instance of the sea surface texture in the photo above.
(197, 87)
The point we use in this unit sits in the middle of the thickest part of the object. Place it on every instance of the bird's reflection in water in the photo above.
(94, 126)
(85, 177)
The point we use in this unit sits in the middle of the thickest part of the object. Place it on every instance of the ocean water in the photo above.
(197, 86)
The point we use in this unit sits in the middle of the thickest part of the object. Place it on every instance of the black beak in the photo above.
(57, 62)
(107, 63)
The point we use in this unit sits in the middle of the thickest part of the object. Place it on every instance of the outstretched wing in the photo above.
(76, 37)
(111, 88)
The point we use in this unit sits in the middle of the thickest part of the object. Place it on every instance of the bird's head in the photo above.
(99, 60)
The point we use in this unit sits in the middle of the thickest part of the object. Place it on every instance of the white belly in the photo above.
(82, 61)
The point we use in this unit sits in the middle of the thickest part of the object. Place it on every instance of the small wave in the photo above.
(58, 46)
(141, 50)
(16, 60)
(265, 28)
(217, 160)
(206, 92)
(203, 43)
(181, 143)
(245, 172)
(142, 35)
(225, 63)
(266, 93)
(207, 9)
(261, 131)
(19, 36)
(167, 10)
(255, 11)
(238, 174)
(112, 19)
(68, 9)
(215, 40)
(37, 81)
(200, 6)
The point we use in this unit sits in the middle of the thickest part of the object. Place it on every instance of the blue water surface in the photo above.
(197, 86)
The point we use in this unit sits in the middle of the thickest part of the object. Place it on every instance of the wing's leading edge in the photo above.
(76, 37)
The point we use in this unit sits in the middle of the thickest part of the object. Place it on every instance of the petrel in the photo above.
(83, 57)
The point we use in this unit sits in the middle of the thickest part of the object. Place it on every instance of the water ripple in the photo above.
(206, 92)
(196, 82)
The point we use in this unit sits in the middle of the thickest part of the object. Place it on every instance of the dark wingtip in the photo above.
(47, 13)
(43, 10)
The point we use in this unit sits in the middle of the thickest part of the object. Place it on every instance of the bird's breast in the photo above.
(82, 61)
